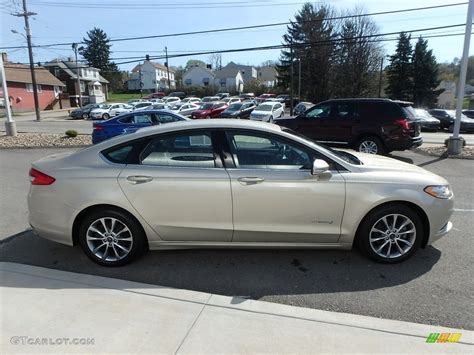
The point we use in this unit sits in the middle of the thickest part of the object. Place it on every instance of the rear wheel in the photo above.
(208, 117)
(370, 145)
(238, 117)
(105, 116)
(111, 238)
(390, 234)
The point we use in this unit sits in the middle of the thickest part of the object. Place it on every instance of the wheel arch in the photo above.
(86, 211)
(413, 206)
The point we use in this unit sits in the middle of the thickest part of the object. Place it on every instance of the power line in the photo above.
(252, 27)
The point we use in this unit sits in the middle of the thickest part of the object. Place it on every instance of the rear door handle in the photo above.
(139, 179)
(250, 180)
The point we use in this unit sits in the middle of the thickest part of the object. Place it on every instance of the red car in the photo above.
(155, 95)
(209, 110)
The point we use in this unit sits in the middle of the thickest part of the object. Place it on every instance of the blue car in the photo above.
(130, 122)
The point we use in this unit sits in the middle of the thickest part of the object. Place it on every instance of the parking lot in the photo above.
(433, 287)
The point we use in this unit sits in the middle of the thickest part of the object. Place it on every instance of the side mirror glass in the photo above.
(319, 167)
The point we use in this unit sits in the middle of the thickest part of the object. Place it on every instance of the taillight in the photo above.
(97, 128)
(39, 178)
(403, 122)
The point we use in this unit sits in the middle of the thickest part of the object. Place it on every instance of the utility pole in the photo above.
(10, 125)
(380, 78)
(78, 74)
(291, 78)
(27, 14)
(299, 79)
(455, 142)
(168, 68)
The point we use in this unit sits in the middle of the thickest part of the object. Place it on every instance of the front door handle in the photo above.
(139, 179)
(250, 180)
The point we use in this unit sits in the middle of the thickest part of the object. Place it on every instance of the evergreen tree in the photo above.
(97, 53)
(425, 75)
(399, 71)
(309, 26)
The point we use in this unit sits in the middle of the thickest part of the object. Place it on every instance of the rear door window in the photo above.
(343, 110)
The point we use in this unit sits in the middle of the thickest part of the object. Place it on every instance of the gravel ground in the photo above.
(441, 151)
(43, 140)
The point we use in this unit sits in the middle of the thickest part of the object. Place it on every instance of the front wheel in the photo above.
(390, 234)
(270, 120)
(208, 117)
(105, 116)
(85, 115)
(370, 145)
(451, 128)
(111, 238)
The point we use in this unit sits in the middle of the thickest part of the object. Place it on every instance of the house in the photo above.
(199, 76)
(229, 79)
(93, 86)
(20, 87)
(447, 99)
(248, 72)
(151, 76)
(268, 76)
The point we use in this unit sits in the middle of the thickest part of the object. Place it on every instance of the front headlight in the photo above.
(439, 191)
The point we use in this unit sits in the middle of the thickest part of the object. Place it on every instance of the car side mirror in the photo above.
(319, 167)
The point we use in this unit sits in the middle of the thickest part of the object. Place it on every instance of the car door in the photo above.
(180, 188)
(275, 196)
(338, 127)
(311, 123)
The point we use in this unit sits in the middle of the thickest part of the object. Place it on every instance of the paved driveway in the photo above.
(433, 287)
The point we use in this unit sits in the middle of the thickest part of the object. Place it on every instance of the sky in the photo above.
(68, 20)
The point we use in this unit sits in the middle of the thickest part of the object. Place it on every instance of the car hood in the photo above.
(261, 112)
(99, 110)
(371, 162)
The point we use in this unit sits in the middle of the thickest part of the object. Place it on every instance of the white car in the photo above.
(268, 111)
(110, 110)
(171, 100)
(141, 105)
(191, 100)
(231, 100)
(185, 110)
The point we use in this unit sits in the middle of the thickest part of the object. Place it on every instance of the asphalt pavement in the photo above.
(434, 287)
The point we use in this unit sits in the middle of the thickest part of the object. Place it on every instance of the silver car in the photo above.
(233, 183)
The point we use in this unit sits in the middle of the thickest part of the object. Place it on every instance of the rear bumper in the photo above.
(403, 143)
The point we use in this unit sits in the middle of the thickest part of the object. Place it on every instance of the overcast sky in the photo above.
(55, 23)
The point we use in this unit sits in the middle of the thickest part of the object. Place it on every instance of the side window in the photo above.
(141, 119)
(118, 155)
(127, 119)
(261, 151)
(193, 150)
(321, 111)
(342, 110)
(166, 118)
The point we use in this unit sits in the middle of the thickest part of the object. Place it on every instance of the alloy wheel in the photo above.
(109, 239)
(368, 146)
(392, 236)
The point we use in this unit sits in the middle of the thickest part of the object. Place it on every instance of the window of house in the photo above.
(83, 87)
(29, 88)
(193, 150)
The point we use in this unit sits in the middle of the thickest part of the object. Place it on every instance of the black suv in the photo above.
(375, 126)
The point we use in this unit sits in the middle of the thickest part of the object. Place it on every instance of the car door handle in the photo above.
(139, 179)
(250, 180)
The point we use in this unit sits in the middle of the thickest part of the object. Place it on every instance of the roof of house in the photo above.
(20, 73)
(156, 65)
(227, 72)
(70, 68)
(207, 70)
(240, 66)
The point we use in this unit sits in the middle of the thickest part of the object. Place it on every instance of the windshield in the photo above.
(205, 106)
(347, 157)
(235, 107)
(264, 108)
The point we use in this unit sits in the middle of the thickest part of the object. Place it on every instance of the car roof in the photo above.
(364, 99)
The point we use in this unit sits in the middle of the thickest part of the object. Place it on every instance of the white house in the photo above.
(447, 99)
(248, 72)
(268, 76)
(229, 79)
(199, 76)
(151, 76)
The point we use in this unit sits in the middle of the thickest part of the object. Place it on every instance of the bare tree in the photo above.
(215, 60)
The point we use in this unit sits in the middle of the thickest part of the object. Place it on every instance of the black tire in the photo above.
(371, 141)
(451, 128)
(85, 116)
(238, 117)
(371, 220)
(270, 120)
(208, 117)
(105, 116)
(138, 244)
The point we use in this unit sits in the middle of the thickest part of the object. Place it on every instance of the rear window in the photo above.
(409, 111)
(118, 155)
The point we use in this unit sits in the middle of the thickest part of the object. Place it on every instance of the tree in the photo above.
(194, 63)
(97, 53)
(311, 38)
(425, 75)
(215, 60)
(357, 57)
(399, 71)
